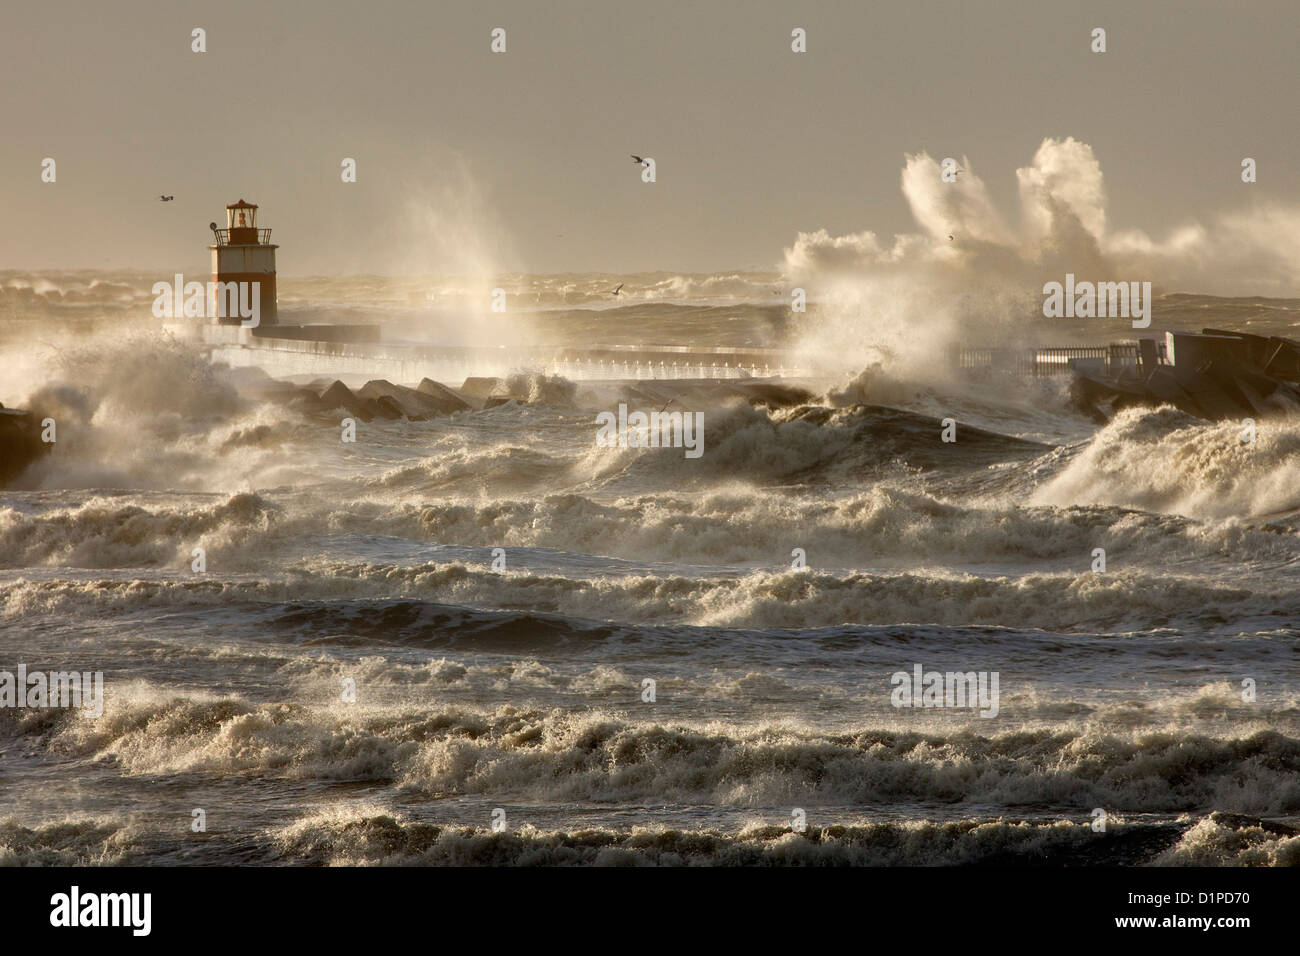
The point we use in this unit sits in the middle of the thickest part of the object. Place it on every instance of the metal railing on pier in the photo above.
(1047, 360)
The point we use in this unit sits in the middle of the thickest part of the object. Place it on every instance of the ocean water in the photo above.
(516, 695)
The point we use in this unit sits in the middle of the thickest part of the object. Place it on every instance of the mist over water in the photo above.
(973, 274)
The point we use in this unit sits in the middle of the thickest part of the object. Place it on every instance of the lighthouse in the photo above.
(244, 253)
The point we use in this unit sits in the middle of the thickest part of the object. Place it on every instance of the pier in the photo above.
(359, 353)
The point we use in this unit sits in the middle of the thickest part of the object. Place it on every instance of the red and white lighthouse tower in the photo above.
(244, 253)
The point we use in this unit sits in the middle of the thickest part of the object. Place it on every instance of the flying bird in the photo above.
(615, 291)
(638, 159)
(166, 198)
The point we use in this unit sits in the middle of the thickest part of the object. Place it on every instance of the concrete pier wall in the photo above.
(331, 355)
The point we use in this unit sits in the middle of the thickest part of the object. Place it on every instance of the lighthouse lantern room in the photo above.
(244, 253)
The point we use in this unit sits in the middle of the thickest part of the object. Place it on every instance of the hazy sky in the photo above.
(520, 161)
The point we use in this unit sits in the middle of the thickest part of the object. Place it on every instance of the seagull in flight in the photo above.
(638, 160)
(616, 291)
(166, 198)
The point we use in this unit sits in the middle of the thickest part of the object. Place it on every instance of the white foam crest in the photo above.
(1164, 460)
